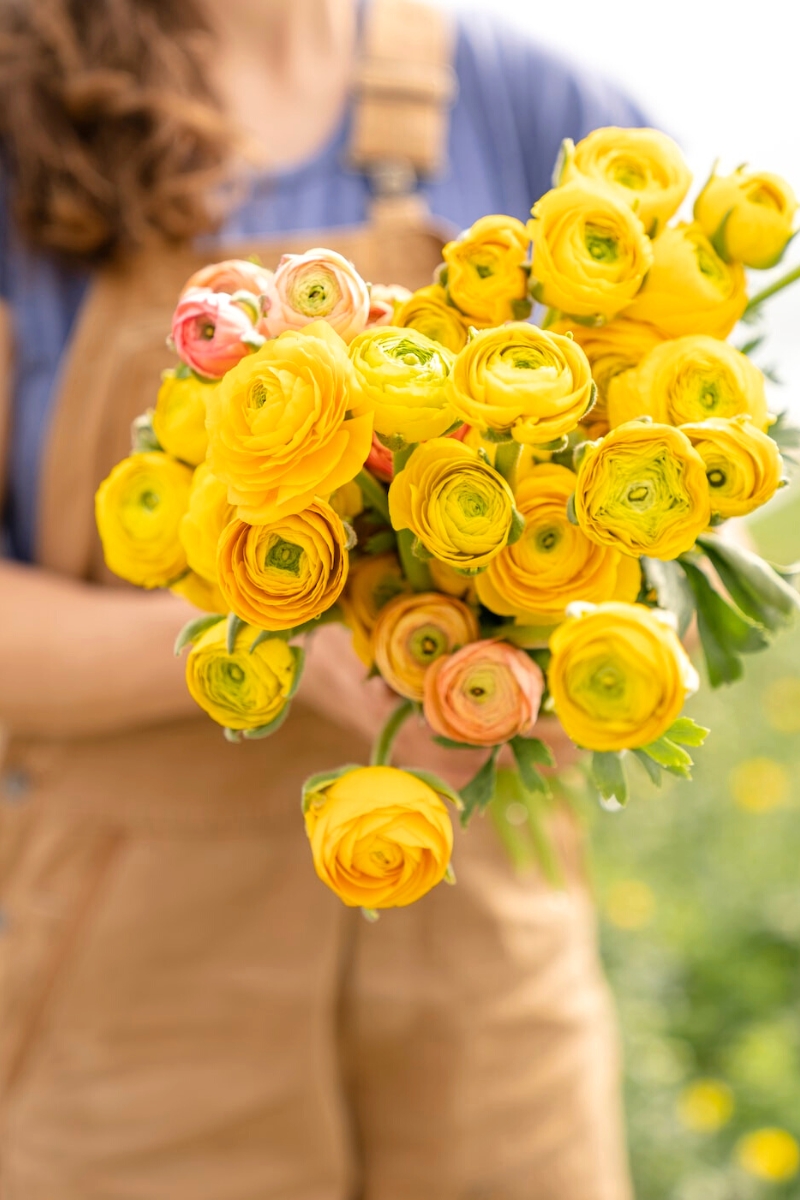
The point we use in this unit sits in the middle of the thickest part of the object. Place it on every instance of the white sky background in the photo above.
(722, 78)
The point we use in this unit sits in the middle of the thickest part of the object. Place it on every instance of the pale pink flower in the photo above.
(317, 285)
(212, 332)
(483, 694)
(382, 300)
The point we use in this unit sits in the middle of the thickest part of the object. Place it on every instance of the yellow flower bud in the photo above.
(748, 215)
(403, 376)
(644, 166)
(618, 676)
(281, 575)
(554, 563)
(347, 501)
(373, 581)
(179, 419)
(200, 592)
(206, 517)
(138, 509)
(429, 312)
(486, 276)
(689, 289)
(411, 632)
(689, 379)
(643, 490)
(743, 465)
(522, 381)
(380, 837)
(285, 424)
(458, 506)
(246, 689)
(590, 250)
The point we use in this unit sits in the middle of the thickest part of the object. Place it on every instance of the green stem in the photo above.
(374, 495)
(506, 460)
(416, 571)
(384, 743)
(778, 286)
(401, 457)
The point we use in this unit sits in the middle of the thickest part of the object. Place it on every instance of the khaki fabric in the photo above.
(186, 1012)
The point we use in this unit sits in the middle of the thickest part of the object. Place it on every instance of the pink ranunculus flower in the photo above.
(382, 300)
(234, 275)
(212, 332)
(319, 285)
(380, 461)
(484, 694)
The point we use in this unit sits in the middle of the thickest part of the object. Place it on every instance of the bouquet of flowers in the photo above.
(511, 518)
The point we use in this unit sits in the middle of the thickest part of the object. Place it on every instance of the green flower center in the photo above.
(234, 673)
(717, 477)
(285, 556)
(609, 681)
(316, 295)
(427, 643)
(602, 245)
(472, 504)
(483, 270)
(641, 494)
(206, 330)
(629, 174)
(258, 394)
(708, 264)
(150, 500)
(547, 539)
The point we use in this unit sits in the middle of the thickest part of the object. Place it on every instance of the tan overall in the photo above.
(187, 1013)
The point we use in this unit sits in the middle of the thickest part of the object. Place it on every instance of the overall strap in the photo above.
(6, 372)
(404, 87)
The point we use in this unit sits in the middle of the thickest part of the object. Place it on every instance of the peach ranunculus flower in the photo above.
(234, 275)
(484, 694)
(319, 285)
(383, 300)
(286, 425)
(212, 332)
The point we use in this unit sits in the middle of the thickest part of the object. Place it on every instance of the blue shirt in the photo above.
(516, 103)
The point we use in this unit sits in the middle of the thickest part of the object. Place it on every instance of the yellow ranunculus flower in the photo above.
(522, 381)
(347, 501)
(371, 584)
(749, 215)
(618, 675)
(689, 379)
(138, 509)
(771, 1154)
(611, 349)
(458, 506)
(486, 275)
(590, 250)
(554, 563)
(643, 489)
(200, 592)
(429, 312)
(286, 424)
(403, 376)
(283, 574)
(743, 465)
(411, 632)
(644, 166)
(179, 419)
(689, 289)
(380, 837)
(206, 517)
(246, 689)
(452, 582)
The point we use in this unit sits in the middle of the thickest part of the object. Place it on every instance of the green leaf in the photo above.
(374, 495)
(438, 784)
(784, 433)
(572, 516)
(315, 783)
(370, 914)
(752, 584)
(650, 765)
(517, 527)
(254, 735)
(480, 789)
(530, 754)
(751, 345)
(671, 757)
(608, 774)
(143, 436)
(381, 542)
(670, 585)
(521, 309)
(232, 735)
(725, 634)
(687, 732)
(717, 238)
(420, 550)
(520, 818)
(234, 625)
(450, 744)
(193, 630)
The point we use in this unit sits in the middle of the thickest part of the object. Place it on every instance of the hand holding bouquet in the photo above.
(511, 518)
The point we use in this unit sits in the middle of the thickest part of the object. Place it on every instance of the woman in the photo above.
(187, 1011)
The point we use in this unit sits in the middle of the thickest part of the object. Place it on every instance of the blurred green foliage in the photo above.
(699, 893)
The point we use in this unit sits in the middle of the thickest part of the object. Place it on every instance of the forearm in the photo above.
(77, 659)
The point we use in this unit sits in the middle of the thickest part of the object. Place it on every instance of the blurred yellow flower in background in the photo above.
(372, 583)
(206, 517)
(759, 785)
(427, 310)
(782, 704)
(138, 509)
(706, 1105)
(630, 904)
(179, 419)
(771, 1154)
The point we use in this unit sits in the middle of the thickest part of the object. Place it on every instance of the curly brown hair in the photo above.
(110, 129)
